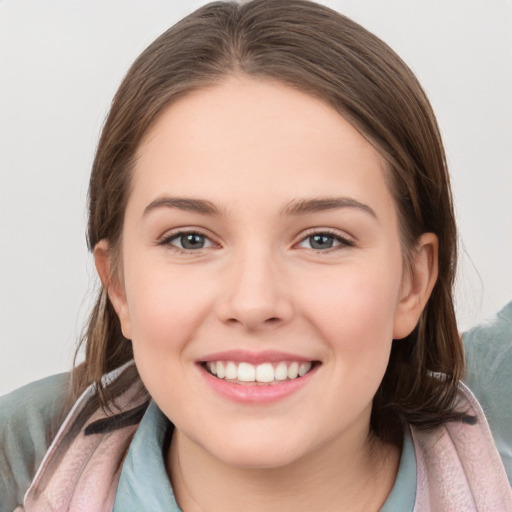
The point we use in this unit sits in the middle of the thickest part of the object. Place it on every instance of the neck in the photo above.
(336, 477)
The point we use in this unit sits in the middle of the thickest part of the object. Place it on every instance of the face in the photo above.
(261, 281)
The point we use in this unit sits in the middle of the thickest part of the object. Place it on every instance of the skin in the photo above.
(252, 148)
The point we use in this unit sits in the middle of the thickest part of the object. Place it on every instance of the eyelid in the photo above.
(166, 239)
(344, 239)
(173, 234)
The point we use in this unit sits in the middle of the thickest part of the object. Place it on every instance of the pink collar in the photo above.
(458, 466)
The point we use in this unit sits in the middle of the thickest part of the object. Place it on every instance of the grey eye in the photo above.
(324, 241)
(191, 241)
(321, 241)
(187, 241)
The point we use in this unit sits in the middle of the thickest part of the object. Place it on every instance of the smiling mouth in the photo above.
(261, 374)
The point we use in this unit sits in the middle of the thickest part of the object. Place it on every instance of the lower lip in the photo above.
(256, 393)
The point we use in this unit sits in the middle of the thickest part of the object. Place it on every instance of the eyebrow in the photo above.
(295, 207)
(305, 206)
(190, 205)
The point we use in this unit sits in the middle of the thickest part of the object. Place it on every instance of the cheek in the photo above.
(162, 313)
(165, 304)
(356, 317)
(166, 311)
(357, 299)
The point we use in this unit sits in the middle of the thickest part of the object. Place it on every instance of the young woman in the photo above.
(271, 219)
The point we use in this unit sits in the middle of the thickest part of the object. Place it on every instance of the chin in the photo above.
(257, 459)
(251, 449)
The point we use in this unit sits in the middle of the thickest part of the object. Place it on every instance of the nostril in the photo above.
(271, 320)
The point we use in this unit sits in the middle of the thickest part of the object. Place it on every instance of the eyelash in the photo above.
(166, 241)
(343, 242)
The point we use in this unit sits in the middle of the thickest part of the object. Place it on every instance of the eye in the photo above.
(188, 241)
(322, 241)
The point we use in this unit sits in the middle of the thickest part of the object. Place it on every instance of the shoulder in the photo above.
(488, 349)
(28, 422)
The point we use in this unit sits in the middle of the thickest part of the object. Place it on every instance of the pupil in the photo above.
(321, 241)
(192, 241)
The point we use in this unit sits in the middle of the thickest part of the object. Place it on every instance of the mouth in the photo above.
(263, 374)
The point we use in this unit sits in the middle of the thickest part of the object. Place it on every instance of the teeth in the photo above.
(293, 371)
(231, 371)
(246, 372)
(264, 373)
(304, 368)
(221, 370)
(281, 372)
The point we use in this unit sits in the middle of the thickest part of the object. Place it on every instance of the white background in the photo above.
(60, 64)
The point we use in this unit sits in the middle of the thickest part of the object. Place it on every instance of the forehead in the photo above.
(247, 136)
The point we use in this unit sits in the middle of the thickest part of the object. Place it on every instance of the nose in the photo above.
(256, 296)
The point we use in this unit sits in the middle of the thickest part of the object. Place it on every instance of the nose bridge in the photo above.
(256, 295)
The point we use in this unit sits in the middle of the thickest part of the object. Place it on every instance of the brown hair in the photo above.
(320, 52)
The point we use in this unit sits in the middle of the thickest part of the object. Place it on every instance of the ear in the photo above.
(417, 285)
(113, 283)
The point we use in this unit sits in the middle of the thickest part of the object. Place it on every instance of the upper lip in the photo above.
(247, 356)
